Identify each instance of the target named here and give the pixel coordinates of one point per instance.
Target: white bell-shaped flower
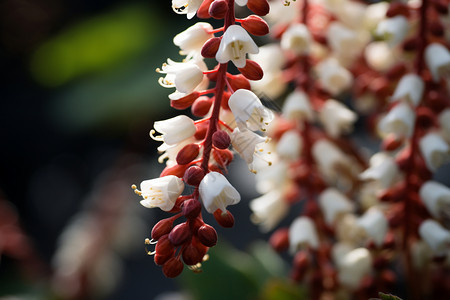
(336, 118)
(297, 106)
(353, 266)
(342, 39)
(333, 77)
(270, 57)
(383, 170)
(398, 121)
(375, 225)
(272, 177)
(217, 193)
(192, 39)
(272, 85)
(246, 143)
(296, 39)
(268, 210)
(436, 236)
(393, 30)
(184, 76)
(435, 150)
(186, 7)
(329, 157)
(248, 111)
(241, 2)
(380, 56)
(374, 13)
(235, 44)
(289, 146)
(161, 192)
(333, 204)
(410, 88)
(302, 233)
(444, 123)
(435, 196)
(437, 58)
(174, 130)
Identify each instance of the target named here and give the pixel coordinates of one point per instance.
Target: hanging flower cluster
(360, 218)
(197, 153)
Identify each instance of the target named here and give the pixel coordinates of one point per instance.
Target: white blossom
(217, 193)
(410, 88)
(161, 192)
(246, 143)
(444, 122)
(296, 39)
(398, 121)
(248, 110)
(436, 236)
(297, 106)
(393, 30)
(192, 39)
(269, 209)
(272, 177)
(174, 130)
(186, 7)
(289, 146)
(375, 225)
(343, 39)
(235, 44)
(353, 266)
(435, 196)
(302, 232)
(336, 118)
(437, 58)
(241, 2)
(374, 13)
(380, 56)
(435, 150)
(184, 76)
(383, 169)
(333, 77)
(333, 204)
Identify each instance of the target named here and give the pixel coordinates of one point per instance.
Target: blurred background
(79, 96)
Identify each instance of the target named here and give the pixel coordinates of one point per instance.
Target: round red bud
(203, 10)
(221, 139)
(391, 142)
(180, 234)
(259, 7)
(252, 70)
(436, 28)
(441, 6)
(173, 267)
(279, 240)
(207, 235)
(202, 128)
(396, 71)
(201, 106)
(225, 219)
(191, 255)
(184, 102)
(210, 48)
(161, 228)
(187, 154)
(410, 44)
(191, 208)
(160, 259)
(239, 82)
(218, 9)
(255, 25)
(301, 261)
(176, 170)
(224, 103)
(193, 175)
(164, 246)
(425, 117)
(397, 8)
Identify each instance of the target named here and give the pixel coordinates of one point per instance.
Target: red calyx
(397, 8)
(279, 240)
(164, 246)
(221, 139)
(201, 106)
(223, 157)
(218, 9)
(225, 219)
(187, 154)
(176, 170)
(202, 128)
(252, 70)
(161, 228)
(185, 101)
(203, 10)
(180, 234)
(259, 7)
(173, 267)
(239, 82)
(255, 25)
(191, 208)
(192, 255)
(391, 143)
(207, 235)
(193, 175)
(210, 48)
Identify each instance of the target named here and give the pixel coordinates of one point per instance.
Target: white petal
(435, 150)
(269, 210)
(302, 232)
(393, 30)
(410, 88)
(374, 224)
(383, 169)
(289, 146)
(436, 236)
(336, 118)
(297, 106)
(435, 196)
(399, 121)
(354, 266)
(161, 192)
(217, 193)
(193, 38)
(188, 78)
(245, 143)
(296, 39)
(437, 58)
(176, 129)
(333, 203)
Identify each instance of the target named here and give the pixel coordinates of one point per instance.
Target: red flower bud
(436, 28)
(187, 154)
(397, 8)
(259, 7)
(411, 44)
(164, 246)
(160, 259)
(192, 255)
(280, 240)
(176, 170)
(191, 208)
(396, 71)
(255, 25)
(210, 48)
(223, 157)
(180, 234)
(225, 219)
(173, 267)
(391, 143)
(201, 106)
(252, 70)
(218, 9)
(194, 175)
(185, 101)
(441, 6)
(203, 10)
(221, 139)
(161, 228)
(226, 96)
(202, 128)
(301, 261)
(207, 235)
(239, 82)
(425, 118)
(402, 159)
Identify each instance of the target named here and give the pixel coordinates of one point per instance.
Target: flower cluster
(197, 153)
